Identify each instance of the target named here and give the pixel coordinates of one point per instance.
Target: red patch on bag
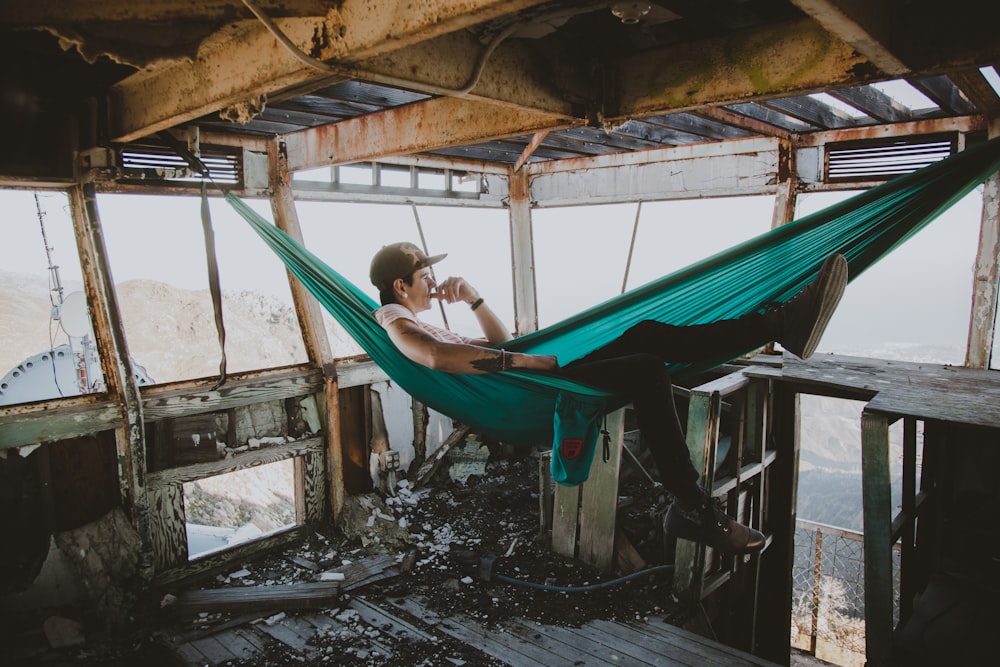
(571, 448)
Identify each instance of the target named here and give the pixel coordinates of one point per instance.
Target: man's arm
(456, 289)
(424, 349)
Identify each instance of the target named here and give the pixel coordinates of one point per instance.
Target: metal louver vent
(159, 164)
(869, 161)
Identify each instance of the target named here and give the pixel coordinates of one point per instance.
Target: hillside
(171, 331)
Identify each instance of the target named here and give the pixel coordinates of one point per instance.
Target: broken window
(156, 250)
(49, 349)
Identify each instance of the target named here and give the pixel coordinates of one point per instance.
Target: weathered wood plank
(284, 634)
(59, 419)
(196, 397)
(697, 643)
(237, 642)
(191, 655)
(635, 646)
(368, 570)
(924, 391)
(576, 648)
(565, 519)
(597, 642)
(241, 461)
(599, 499)
(214, 650)
(280, 597)
(492, 643)
(314, 486)
(169, 534)
(252, 638)
(388, 623)
(62, 418)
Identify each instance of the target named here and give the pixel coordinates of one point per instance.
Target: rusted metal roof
(587, 78)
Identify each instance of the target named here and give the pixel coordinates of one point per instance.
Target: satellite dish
(73, 316)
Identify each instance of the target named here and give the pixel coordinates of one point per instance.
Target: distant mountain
(170, 331)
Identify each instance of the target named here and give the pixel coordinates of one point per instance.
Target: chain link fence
(828, 593)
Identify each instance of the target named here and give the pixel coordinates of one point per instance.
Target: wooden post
(522, 255)
(311, 323)
(116, 364)
(878, 535)
(788, 181)
(584, 516)
(599, 499)
(774, 613)
(987, 273)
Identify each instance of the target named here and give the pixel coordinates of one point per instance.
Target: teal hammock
(517, 407)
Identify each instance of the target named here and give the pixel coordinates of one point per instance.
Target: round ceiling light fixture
(630, 12)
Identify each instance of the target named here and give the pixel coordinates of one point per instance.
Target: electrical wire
(384, 78)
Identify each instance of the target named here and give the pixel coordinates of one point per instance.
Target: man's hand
(456, 289)
(536, 362)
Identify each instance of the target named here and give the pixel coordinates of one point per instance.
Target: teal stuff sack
(576, 425)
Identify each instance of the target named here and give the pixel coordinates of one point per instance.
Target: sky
(920, 294)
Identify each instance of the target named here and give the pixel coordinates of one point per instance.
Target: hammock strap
(214, 285)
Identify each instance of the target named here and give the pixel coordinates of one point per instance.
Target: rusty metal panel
(436, 123)
(750, 173)
(243, 60)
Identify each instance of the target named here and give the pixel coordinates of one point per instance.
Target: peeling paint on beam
(963, 124)
(243, 59)
(80, 12)
(752, 173)
(863, 25)
(414, 128)
(511, 75)
(673, 154)
(791, 58)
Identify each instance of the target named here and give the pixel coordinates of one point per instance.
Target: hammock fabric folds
(517, 407)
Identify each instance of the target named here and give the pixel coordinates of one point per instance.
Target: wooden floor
(516, 643)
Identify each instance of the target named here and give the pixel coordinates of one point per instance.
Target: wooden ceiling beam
(433, 124)
(979, 91)
(749, 124)
(511, 76)
(33, 13)
(798, 57)
(860, 23)
(874, 103)
(917, 36)
(243, 60)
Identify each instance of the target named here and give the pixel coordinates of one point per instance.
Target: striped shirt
(386, 315)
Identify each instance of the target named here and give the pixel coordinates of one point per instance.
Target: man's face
(420, 293)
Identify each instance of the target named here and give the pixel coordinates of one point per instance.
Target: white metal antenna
(54, 281)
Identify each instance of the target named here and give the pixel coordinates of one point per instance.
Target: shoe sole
(685, 531)
(831, 282)
(682, 532)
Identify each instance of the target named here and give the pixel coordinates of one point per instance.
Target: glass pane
(156, 249)
(48, 348)
(226, 510)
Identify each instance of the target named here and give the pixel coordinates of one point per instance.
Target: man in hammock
(632, 365)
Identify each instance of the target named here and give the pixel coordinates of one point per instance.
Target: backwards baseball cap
(398, 260)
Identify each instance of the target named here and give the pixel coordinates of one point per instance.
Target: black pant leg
(725, 339)
(645, 380)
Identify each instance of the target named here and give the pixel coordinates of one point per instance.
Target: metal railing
(828, 593)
